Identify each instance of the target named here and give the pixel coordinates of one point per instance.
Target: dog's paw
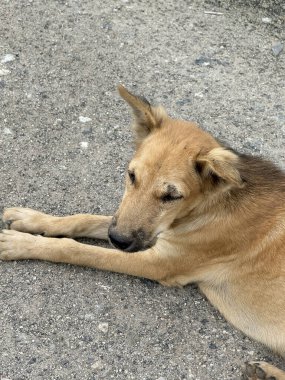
(16, 245)
(262, 371)
(25, 220)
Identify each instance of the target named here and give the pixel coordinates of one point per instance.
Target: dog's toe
(249, 370)
(15, 245)
(8, 223)
(23, 219)
(262, 371)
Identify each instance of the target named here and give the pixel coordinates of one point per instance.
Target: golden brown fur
(193, 211)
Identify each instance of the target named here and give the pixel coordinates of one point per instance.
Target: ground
(64, 144)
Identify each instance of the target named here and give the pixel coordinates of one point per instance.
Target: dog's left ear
(147, 117)
(219, 166)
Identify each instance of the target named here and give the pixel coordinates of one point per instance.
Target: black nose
(122, 242)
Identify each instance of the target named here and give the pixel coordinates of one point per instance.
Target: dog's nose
(121, 242)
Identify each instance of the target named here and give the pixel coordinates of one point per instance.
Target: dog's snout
(120, 241)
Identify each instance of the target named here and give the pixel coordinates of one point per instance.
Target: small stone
(7, 131)
(266, 20)
(203, 61)
(104, 327)
(98, 364)
(4, 71)
(209, 62)
(183, 102)
(107, 26)
(32, 360)
(87, 130)
(89, 317)
(2, 84)
(58, 122)
(84, 144)
(8, 58)
(277, 48)
(84, 119)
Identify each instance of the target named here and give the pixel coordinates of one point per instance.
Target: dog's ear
(147, 117)
(219, 166)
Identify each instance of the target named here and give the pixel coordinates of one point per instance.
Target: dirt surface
(60, 64)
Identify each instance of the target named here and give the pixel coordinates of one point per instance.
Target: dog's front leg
(16, 245)
(35, 222)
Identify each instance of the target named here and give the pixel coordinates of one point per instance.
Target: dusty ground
(62, 60)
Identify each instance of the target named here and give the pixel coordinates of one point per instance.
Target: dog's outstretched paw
(262, 371)
(16, 245)
(25, 220)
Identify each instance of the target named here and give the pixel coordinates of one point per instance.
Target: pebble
(8, 58)
(86, 130)
(84, 119)
(4, 71)
(183, 102)
(203, 61)
(266, 20)
(98, 364)
(277, 48)
(2, 84)
(84, 144)
(89, 317)
(7, 131)
(104, 327)
(58, 122)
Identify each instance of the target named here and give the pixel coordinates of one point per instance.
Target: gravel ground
(65, 142)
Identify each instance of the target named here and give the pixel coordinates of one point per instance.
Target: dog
(193, 211)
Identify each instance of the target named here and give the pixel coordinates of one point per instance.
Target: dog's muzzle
(132, 243)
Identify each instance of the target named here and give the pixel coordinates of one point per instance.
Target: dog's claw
(8, 223)
(249, 369)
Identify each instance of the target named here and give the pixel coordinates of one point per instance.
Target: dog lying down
(193, 211)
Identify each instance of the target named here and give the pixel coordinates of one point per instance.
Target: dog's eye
(132, 176)
(170, 197)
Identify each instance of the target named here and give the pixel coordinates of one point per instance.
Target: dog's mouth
(137, 242)
(134, 247)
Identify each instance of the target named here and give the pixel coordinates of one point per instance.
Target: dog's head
(176, 167)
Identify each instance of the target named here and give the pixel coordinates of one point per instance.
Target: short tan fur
(193, 211)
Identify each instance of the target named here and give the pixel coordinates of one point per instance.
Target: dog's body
(193, 211)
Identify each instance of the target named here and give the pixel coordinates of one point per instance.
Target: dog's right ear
(147, 117)
(219, 167)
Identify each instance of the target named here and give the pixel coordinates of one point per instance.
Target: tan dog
(193, 211)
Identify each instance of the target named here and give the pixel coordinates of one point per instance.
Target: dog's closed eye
(171, 194)
(168, 197)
